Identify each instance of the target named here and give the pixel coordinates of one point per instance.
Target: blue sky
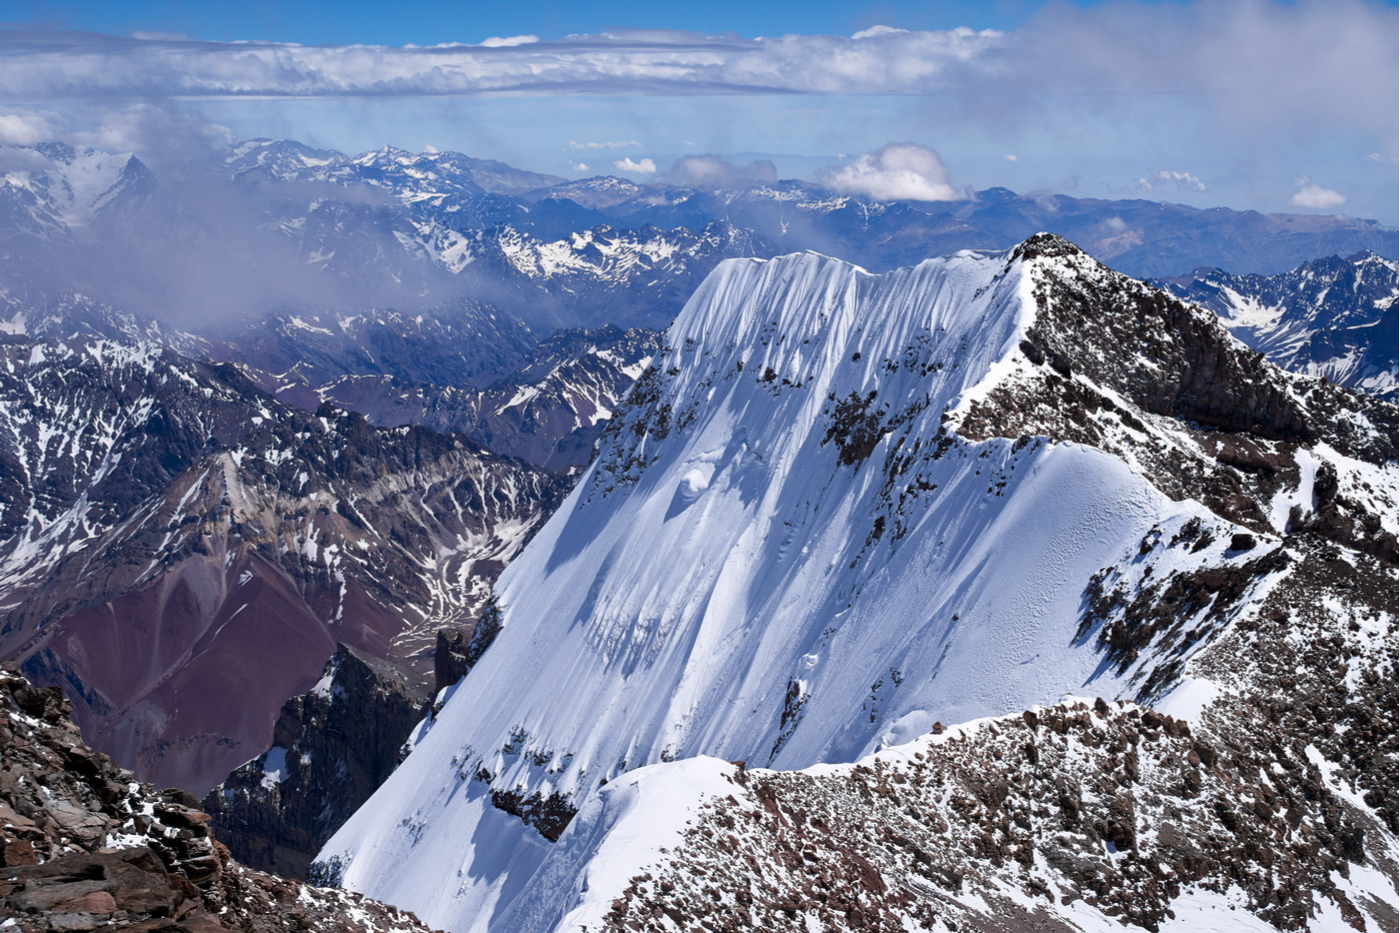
(1253, 104)
(433, 21)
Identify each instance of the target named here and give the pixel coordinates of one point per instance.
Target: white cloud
(1011, 158)
(875, 31)
(25, 128)
(496, 42)
(1377, 157)
(895, 172)
(622, 144)
(579, 166)
(1315, 196)
(1183, 180)
(150, 130)
(644, 167)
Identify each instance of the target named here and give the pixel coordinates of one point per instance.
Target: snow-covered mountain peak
(822, 338)
(52, 188)
(842, 507)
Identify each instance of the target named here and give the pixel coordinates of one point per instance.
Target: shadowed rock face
(1333, 317)
(183, 552)
(1214, 421)
(84, 846)
(332, 748)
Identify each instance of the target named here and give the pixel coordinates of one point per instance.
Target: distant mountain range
(147, 500)
(1330, 317)
(277, 227)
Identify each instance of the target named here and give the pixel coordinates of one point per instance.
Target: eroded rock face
(332, 749)
(84, 846)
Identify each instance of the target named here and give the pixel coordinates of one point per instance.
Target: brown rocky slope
(183, 552)
(84, 846)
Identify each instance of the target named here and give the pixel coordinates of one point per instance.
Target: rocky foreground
(84, 846)
(1075, 816)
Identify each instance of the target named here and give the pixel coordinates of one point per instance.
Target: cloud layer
(1316, 197)
(1252, 62)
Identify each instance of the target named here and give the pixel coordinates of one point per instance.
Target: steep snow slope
(782, 556)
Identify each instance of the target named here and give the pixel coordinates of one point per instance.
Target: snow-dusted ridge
(783, 555)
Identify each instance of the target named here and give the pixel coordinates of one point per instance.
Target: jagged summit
(841, 507)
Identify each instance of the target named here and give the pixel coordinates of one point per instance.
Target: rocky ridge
(84, 846)
(1084, 815)
(1163, 388)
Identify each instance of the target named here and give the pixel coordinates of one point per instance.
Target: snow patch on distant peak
(274, 767)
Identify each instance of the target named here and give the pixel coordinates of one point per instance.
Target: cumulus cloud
(1316, 197)
(707, 171)
(895, 172)
(644, 167)
(579, 166)
(1183, 180)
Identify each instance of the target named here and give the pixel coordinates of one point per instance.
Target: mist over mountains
(273, 226)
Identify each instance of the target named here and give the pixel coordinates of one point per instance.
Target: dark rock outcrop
(83, 846)
(332, 749)
(1124, 367)
(449, 659)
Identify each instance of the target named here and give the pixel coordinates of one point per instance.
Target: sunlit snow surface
(696, 588)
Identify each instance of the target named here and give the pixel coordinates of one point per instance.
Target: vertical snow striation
(781, 555)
